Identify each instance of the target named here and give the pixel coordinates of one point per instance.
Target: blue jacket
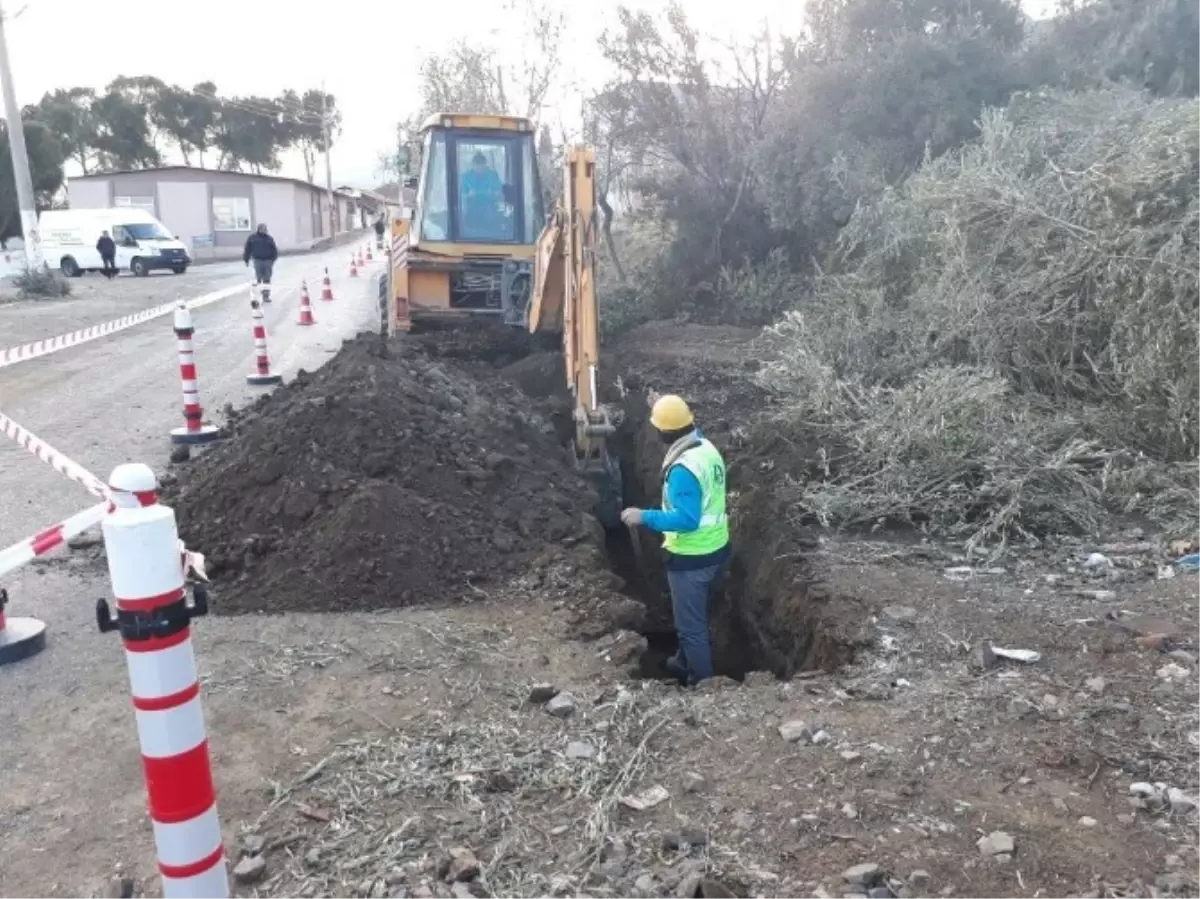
(686, 500)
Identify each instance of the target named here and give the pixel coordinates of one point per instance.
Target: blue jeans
(690, 594)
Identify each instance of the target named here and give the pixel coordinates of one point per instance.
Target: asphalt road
(115, 399)
(72, 803)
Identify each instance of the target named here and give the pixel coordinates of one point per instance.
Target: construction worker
(260, 246)
(695, 531)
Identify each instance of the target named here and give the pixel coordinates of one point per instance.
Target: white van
(69, 241)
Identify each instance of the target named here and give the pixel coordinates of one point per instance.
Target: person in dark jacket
(107, 248)
(380, 227)
(260, 246)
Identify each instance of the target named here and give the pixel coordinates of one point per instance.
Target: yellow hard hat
(670, 413)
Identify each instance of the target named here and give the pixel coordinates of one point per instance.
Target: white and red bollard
(262, 376)
(194, 429)
(353, 267)
(326, 287)
(20, 638)
(153, 616)
(306, 316)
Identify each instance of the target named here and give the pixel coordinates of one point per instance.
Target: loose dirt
(412, 752)
(384, 479)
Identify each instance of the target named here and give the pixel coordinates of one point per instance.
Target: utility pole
(333, 215)
(20, 161)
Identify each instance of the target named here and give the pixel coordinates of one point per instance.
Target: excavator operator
(482, 190)
(695, 531)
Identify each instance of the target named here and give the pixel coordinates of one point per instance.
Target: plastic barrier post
(20, 638)
(263, 376)
(353, 267)
(154, 617)
(194, 430)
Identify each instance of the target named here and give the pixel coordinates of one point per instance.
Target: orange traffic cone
(326, 287)
(360, 257)
(353, 267)
(306, 316)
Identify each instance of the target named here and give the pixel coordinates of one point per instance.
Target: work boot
(677, 667)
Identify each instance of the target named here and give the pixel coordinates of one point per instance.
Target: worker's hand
(632, 517)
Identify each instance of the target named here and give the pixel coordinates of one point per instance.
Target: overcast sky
(367, 53)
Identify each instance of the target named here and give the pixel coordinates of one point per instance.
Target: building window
(135, 202)
(231, 213)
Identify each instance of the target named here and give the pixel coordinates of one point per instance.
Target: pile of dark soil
(383, 479)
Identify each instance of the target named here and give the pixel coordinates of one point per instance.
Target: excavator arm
(563, 301)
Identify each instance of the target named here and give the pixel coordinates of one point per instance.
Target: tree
(152, 96)
(46, 158)
(880, 86)
(465, 78)
(1152, 44)
(249, 133)
(70, 116)
(123, 138)
(469, 76)
(187, 118)
(841, 28)
(303, 122)
(685, 131)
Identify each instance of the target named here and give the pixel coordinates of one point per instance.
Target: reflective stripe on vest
(705, 463)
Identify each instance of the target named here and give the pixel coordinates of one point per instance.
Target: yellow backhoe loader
(478, 246)
(467, 252)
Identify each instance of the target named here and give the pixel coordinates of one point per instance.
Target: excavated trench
(770, 610)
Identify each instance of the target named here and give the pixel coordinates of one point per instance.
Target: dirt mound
(383, 479)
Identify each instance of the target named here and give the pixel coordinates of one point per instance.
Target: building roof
(192, 168)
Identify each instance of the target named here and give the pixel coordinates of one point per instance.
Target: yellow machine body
(467, 252)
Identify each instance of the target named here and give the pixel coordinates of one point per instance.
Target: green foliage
(41, 285)
(123, 137)
(1006, 343)
(45, 154)
(1152, 44)
(69, 116)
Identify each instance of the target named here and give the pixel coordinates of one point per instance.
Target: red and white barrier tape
(13, 355)
(51, 538)
(53, 457)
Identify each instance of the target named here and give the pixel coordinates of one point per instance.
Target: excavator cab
(468, 251)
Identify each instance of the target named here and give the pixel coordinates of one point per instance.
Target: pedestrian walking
(695, 531)
(107, 248)
(260, 247)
